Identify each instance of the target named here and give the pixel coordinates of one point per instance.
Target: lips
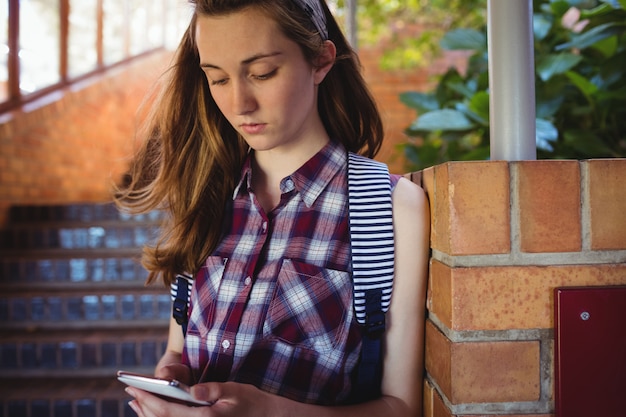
(253, 128)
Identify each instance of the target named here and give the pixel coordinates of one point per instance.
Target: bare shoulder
(409, 199)
(411, 224)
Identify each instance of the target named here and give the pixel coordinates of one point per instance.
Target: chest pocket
(311, 307)
(204, 296)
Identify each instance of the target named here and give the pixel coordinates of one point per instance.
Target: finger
(210, 391)
(178, 371)
(145, 404)
(150, 405)
(134, 405)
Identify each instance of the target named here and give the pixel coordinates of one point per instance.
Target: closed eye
(266, 76)
(219, 82)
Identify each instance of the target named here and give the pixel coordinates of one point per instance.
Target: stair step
(74, 309)
(83, 309)
(78, 235)
(77, 397)
(71, 353)
(75, 213)
(65, 267)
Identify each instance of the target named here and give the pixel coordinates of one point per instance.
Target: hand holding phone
(169, 388)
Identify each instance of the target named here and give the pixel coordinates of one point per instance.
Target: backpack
(372, 252)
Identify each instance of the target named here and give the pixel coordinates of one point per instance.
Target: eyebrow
(246, 61)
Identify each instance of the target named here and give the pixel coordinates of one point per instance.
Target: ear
(325, 61)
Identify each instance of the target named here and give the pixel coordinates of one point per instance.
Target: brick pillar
(504, 235)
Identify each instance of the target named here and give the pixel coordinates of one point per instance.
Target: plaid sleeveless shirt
(272, 306)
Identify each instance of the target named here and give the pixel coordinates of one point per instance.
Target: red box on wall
(590, 351)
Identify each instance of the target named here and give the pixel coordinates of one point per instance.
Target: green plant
(387, 23)
(580, 56)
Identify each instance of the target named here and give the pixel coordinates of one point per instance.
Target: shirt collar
(310, 179)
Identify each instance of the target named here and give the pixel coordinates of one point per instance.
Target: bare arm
(169, 365)
(404, 341)
(404, 358)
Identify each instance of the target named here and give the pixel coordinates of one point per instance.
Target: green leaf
(479, 106)
(600, 10)
(542, 23)
(607, 47)
(442, 120)
(618, 94)
(592, 36)
(559, 7)
(423, 102)
(587, 143)
(547, 106)
(552, 64)
(584, 85)
(462, 88)
(545, 132)
(464, 39)
(478, 154)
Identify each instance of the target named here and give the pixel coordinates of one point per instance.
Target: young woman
(246, 150)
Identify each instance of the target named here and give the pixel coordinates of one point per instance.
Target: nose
(243, 100)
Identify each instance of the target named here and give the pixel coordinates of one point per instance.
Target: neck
(271, 166)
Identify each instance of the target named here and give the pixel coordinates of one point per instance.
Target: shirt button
(264, 227)
(247, 281)
(289, 183)
(226, 344)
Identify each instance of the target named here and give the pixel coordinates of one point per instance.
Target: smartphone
(168, 388)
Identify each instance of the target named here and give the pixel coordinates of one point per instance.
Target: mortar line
(515, 220)
(502, 335)
(585, 207)
(555, 259)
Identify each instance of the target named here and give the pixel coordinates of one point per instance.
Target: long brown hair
(191, 157)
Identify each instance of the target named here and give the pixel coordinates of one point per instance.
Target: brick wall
(504, 235)
(72, 145)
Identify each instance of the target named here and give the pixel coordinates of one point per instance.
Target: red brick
(495, 372)
(483, 372)
(509, 297)
(549, 206)
(428, 184)
(439, 294)
(438, 357)
(607, 201)
(427, 402)
(440, 210)
(439, 407)
(472, 208)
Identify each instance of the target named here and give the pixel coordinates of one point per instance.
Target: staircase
(74, 309)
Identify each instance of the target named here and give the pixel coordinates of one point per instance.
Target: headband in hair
(314, 10)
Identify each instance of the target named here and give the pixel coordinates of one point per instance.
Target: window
(4, 50)
(82, 44)
(47, 44)
(115, 26)
(39, 45)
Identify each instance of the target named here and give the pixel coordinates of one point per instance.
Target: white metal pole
(511, 80)
(351, 28)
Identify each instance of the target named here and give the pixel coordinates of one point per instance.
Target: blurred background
(73, 77)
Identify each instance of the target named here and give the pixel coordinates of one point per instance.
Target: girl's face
(260, 80)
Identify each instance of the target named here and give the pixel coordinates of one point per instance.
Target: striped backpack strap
(372, 246)
(181, 293)
(371, 231)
